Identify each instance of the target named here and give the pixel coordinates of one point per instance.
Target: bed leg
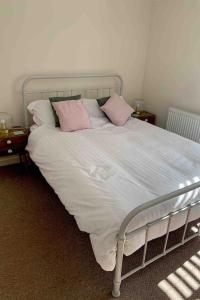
(118, 269)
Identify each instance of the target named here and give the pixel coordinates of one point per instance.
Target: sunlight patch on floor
(182, 283)
(169, 290)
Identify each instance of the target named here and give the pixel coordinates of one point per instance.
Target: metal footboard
(124, 235)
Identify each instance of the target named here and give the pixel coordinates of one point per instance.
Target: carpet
(43, 254)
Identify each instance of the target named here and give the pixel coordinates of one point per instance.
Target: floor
(43, 255)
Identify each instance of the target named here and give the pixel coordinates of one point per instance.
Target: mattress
(101, 174)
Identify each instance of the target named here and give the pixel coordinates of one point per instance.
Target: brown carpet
(43, 255)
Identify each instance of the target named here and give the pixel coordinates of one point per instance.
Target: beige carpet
(43, 255)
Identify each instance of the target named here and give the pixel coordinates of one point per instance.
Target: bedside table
(145, 116)
(14, 142)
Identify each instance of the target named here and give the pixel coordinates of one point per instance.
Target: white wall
(173, 62)
(49, 36)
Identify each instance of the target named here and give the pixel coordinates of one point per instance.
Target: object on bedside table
(145, 116)
(13, 142)
(5, 122)
(139, 105)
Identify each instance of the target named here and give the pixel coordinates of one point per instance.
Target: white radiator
(184, 123)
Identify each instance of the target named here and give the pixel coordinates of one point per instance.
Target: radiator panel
(184, 123)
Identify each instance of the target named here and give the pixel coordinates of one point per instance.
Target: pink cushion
(117, 110)
(72, 115)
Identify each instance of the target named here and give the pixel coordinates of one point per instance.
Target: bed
(135, 182)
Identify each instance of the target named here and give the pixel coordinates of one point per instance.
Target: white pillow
(93, 108)
(42, 112)
(99, 122)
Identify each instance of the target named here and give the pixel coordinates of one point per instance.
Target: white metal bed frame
(99, 91)
(123, 234)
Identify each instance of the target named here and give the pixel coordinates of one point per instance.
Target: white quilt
(101, 174)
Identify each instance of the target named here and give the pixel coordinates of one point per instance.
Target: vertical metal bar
(25, 112)
(120, 90)
(186, 224)
(145, 246)
(167, 234)
(118, 268)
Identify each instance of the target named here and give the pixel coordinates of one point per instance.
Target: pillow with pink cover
(72, 115)
(117, 110)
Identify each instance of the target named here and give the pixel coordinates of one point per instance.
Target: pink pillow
(72, 115)
(117, 110)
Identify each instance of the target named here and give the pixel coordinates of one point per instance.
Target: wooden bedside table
(145, 116)
(14, 143)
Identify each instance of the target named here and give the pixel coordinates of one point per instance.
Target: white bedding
(101, 174)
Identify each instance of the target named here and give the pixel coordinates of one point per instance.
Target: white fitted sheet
(101, 174)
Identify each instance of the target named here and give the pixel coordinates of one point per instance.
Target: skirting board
(9, 160)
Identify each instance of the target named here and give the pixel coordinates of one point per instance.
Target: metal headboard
(33, 87)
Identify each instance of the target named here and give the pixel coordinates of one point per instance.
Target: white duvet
(101, 174)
